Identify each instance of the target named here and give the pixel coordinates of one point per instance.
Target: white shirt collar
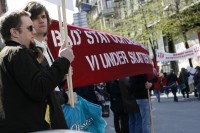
(40, 44)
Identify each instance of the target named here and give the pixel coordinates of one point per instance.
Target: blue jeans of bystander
(135, 123)
(157, 94)
(145, 115)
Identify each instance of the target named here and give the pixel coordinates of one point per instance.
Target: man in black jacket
(140, 85)
(172, 83)
(24, 84)
(41, 21)
(116, 100)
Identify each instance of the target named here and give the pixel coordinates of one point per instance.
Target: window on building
(95, 14)
(116, 4)
(109, 3)
(99, 6)
(142, 1)
(107, 20)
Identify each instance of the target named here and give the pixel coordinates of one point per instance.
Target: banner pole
(69, 76)
(61, 31)
(152, 124)
(60, 23)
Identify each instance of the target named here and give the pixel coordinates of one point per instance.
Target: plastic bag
(182, 86)
(85, 116)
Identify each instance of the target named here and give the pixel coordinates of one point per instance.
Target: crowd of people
(129, 100)
(184, 83)
(132, 94)
(31, 82)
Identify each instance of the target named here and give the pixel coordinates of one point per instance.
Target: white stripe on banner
(188, 53)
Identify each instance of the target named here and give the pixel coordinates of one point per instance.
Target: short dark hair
(11, 20)
(35, 8)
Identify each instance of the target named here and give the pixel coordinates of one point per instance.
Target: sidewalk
(176, 117)
(170, 116)
(110, 125)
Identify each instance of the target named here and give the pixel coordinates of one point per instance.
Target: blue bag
(85, 116)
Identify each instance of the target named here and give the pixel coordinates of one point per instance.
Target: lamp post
(182, 28)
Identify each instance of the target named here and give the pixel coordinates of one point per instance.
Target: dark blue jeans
(140, 122)
(135, 123)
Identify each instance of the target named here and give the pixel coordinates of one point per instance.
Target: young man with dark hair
(25, 87)
(41, 22)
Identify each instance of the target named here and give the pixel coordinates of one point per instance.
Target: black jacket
(26, 89)
(87, 92)
(116, 98)
(183, 77)
(128, 96)
(138, 86)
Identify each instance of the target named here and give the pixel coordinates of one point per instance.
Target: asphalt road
(170, 116)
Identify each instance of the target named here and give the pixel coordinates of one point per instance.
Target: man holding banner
(25, 86)
(41, 21)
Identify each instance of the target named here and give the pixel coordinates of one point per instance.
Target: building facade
(80, 19)
(104, 13)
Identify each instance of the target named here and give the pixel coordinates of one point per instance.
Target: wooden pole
(60, 23)
(69, 77)
(152, 124)
(61, 28)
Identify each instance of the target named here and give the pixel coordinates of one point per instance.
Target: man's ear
(14, 32)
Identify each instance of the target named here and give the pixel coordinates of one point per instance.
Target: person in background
(161, 75)
(164, 83)
(192, 87)
(99, 92)
(172, 83)
(120, 117)
(140, 86)
(87, 92)
(191, 83)
(25, 86)
(183, 79)
(130, 105)
(157, 86)
(197, 81)
(178, 86)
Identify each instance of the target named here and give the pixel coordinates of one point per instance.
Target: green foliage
(145, 23)
(182, 21)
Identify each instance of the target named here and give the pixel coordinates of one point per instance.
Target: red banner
(100, 56)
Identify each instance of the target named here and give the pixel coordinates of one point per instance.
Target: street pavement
(170, 116)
